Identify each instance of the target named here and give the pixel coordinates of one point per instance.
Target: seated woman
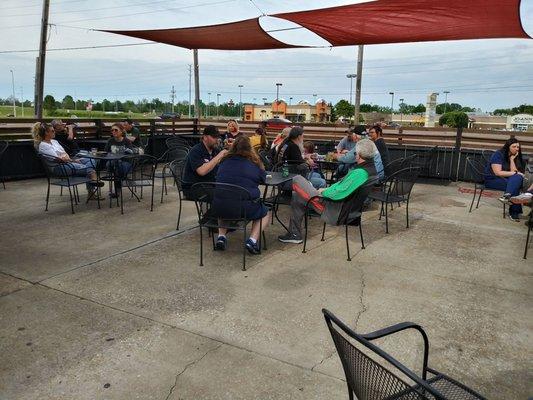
(242, 166)
(118, 144)
(259, 140)
(505, 171)
(56, 155)
(315, 176)
(232, 133)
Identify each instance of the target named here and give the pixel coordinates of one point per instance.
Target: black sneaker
(514, 217)
(253, 248)
(505, 198)
(290, 238)
(221, 243)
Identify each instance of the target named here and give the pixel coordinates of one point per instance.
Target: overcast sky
(487, 74)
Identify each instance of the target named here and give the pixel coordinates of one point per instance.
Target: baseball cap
(212, 131)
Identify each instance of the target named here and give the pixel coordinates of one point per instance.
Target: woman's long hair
(519, 161)
(242, 147)
(35, 133)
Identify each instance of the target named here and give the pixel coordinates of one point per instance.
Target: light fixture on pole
(218, 102)
(13, 83)
(314, 97)
(208, 103)
(391, 105)
(264, 100)
(277, 91)
(22, 100)
(445, 100)
(240, 101)
(290, 101)
(401, 111)
(351, 76)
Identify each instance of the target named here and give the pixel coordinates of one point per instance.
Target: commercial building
(303, 111)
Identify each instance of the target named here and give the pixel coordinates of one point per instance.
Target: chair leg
(244, 249)
(179, 213)
(323, 232)
(503, 210)
(347, 244)
(473, 199)
(386, 219)
(479, 198)
(152, 199)
(529, 227)
(61, 192)
(163, 189)
(201, 248)
(71, 199)
(381, 212)
(407, 212)
(213, 240)
(48, 196)
(264, 241)
(361, 234)
(121, 201)
(305, 235)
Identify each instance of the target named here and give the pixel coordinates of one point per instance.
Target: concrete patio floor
(100, 305)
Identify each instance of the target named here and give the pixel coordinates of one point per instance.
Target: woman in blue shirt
(505, 171)
(242, 166)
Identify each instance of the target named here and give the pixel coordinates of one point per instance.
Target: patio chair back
(367, 378)
(177, 153)
(142, 169)
(401, 182)
(176, 168)
(176, 142)
(226, 201)
(486, 155)
(476, 169)
(353, 206)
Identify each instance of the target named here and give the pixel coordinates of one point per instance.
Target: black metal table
(104, 157)
(327, 166)
(275, 179)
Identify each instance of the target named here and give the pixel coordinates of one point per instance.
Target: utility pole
(173, 97)
(40, 62)
(13, 84)
(351, 76)
(445, 100)
(240, 101)
(401, 111)
(218, 102)
(196, 84)
(277, 91)
(391, 105)
(358, 80)
(208, 104)
(190, 88)
(22, 100)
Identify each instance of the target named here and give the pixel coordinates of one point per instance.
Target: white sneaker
(522, 198)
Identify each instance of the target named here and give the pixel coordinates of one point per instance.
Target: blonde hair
(35, 134)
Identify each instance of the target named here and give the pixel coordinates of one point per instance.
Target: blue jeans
(82, 167)
(120, 169)
(510, 185)
(316, 180)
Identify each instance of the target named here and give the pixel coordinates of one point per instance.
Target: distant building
(520, 122)
(303, 111)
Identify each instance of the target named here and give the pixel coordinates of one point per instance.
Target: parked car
(278, 123)
(170, 116)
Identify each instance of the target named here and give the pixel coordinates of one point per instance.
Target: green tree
(454, 119)
(420, 108)
(68, 102)
(49, 103)
(344, 109)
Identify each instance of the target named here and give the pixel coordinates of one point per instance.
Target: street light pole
(401, 111)
(218, 102)
(391, 105)
(240, 101)
(13, 83)
(208, 104)
(22, 100)
(290, 101)
(277, 91)
(445, 100)
(351, 76)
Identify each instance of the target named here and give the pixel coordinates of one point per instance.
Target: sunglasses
(115, 130)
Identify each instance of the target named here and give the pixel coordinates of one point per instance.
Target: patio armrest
(398, 328)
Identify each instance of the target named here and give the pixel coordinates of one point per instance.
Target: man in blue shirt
(202, 161)
(348, 160)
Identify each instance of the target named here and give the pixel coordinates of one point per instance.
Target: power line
(80, 48)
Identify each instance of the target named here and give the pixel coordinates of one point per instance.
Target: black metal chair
(426, 160)
(351, 210)
(396, 189)
(3, 147)
(140, 175)
(176, 169)
(175, 153)
(529, 225)
(477, 172)
(59, 173)
(177, 141)
(373, 374)
(206, 195)
(486, 155)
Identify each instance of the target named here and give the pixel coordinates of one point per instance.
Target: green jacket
(340, 190)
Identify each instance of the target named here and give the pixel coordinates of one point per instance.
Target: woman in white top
(55, 155)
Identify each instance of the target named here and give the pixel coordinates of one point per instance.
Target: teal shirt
(340, 190)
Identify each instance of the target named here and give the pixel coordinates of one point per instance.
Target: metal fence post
(98, 123)
(457, 154)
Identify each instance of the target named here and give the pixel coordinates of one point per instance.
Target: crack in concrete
(364, 308)
(192, 363)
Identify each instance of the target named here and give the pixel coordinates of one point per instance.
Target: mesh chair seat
(72, 181)
(213, 222)
(382, 196)
(163, 174)
(448, 387)
(137, 182)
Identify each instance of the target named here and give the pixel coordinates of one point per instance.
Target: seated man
(131, 132)
(347, 143)
(56, 155)
(65, 136)
(303, 191)
(348, 160)
(376, 135)
(202, 161)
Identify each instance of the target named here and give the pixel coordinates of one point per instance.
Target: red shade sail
(375, 22)
(242, 35)
(393, 21)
